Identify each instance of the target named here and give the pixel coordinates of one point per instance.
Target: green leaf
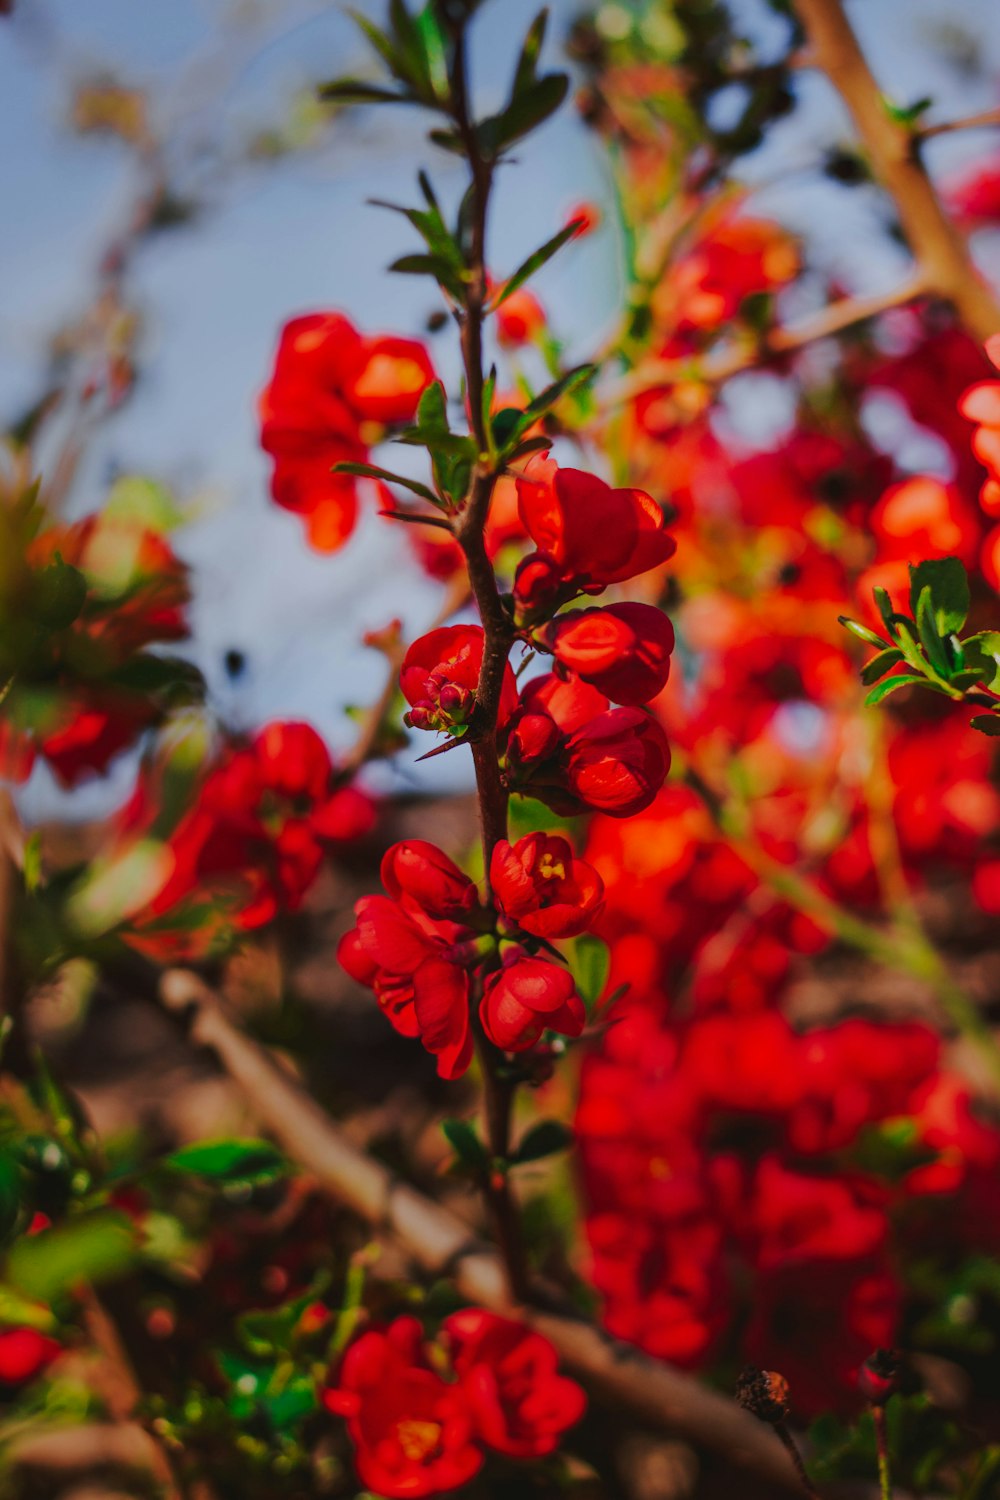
(534, 262)
(229, 1161)
(99, 1247)
(982, 652)
(430, 265)
(987, 724)
(370, 471)
(883, 603)
(381, 43)
(930, 640)
(571, 381)
(590, 962)
(879, 665)
(33, 862)
(58, 594)
(949, 585)
(525, 113)
(527, 64)
(862, 632)
(906, 114)
(357, 91)
(469, 1149)
(432, 411)
(10, 1194)
(543, 1139)
(890, 685)
(435, 49)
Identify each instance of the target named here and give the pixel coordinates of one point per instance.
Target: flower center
(418, 1439)
(551, 868)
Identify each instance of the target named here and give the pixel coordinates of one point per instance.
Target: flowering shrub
(724, 934)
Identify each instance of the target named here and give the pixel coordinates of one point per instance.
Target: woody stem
(498, 1092)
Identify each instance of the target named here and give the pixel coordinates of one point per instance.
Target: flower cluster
(421, 946)
(80, 604)
(332, 395)
(421, 1417)
(250, 844)
(744, 1176)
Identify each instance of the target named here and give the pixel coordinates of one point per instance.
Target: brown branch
(986, 118)
(941, 253)
(845, 313)
(498, 636)
(441, 1244)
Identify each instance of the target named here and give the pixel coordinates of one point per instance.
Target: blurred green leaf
(98, 1247)
(949, 588)
(231, 1160)
(543, 1139)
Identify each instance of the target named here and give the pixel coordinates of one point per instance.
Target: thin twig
(984, 119)
(938, 248)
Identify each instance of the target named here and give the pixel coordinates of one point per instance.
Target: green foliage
(928, 645)
(234, 1165)
(92, 1248)
(546, 1138)
(590, 963)
(470, 1153)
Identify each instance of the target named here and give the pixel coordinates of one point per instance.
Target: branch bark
(941, 253)
(649, 1391)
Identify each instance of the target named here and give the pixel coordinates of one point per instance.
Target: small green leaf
(949, 585)
(95, 1248)
(370, 471)
(890, 685)
(883, 603)
(879, 665)
(432, 411)
(906, 114)
(982, 652)
(543, 1139)
(987, 724)
(927, 626)
(590, 962)
(571, 381)
(527, 64)
(534, 262)
(251, 1161)
(467, 1146)
(357, 91)
(863, 633)
(531, 107)
(33, 862)
(430, 265)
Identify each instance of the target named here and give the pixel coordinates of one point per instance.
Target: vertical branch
(497, 639)
(941, 253)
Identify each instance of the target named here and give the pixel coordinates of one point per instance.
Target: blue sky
(276, 241)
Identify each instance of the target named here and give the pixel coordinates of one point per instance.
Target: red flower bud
(527, 997)
(618, 762)
(621, 649)
(594, 533)
(878, 1377)
(440, 675)
(541, 885)
(421, 871)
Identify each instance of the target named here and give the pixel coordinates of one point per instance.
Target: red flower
(541, 885)
(596, 535)
(331, 393)
(440, 675)
(519, 1402)
(421, 871)
(258, 827)
(621, 649)
(617, 762)
(981, 404)
(520, 318)
(411, 1431)
(24, 1354)
(411, 966)
(526, 997)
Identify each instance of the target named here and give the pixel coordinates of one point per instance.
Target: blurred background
(265, 215)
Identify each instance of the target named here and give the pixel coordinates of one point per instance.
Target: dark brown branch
(940, 251)
(497, 640)
(440, 1244)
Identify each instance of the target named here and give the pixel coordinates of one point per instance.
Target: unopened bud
(878, 1377)
(763, 1393)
